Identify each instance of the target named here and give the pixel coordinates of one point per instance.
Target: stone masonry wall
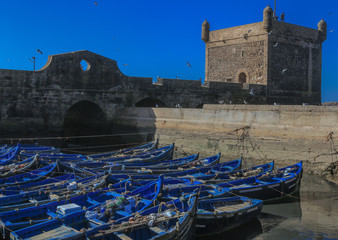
(32, 101)
(285, 134)
(294, 64)
(234, 50)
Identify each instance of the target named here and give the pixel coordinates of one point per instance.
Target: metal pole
(274, 12)
(34, 63)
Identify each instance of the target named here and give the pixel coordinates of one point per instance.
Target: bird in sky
(125, 64)
(330, 13)
(188, 64)
(332, 30)
(95, 3)
(275, 45)
(39, 51)
(284, 70)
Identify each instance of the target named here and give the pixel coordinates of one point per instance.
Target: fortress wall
(282, 133)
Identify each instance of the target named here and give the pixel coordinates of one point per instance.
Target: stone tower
(283, 56)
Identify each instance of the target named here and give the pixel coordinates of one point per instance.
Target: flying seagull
(125, 64)
(95, 3)
(330, 13)
(188, 64)
(332, 30)
(252, 92)
(39, 51)
(284, 70)
(275, 45)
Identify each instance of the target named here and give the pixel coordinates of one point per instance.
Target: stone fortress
(284, 57)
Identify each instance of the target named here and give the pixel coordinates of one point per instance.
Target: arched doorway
(242, 77)
(150, 102)
(84, 118)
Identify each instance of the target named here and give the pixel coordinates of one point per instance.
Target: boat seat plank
(124, 236)
(58, 232)
(229, 208)
(156, 229)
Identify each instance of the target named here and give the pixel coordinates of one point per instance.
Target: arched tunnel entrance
(85, 119)
(89, 130)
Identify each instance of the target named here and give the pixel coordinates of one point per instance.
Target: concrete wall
(282, 133)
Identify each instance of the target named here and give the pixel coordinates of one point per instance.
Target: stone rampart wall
(282, 133)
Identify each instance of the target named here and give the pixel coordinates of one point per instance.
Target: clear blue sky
(155, 38)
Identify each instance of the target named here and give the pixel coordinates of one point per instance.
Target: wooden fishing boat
(176, 165)
(128, 151)
(105, 201)
(9, 155)
(157, 168)
(190, 173)
(33, 175)
(19, 167)
(57, 191)
(172, 220)
(52, 157)
(147, 158)
(38, 149)
(270, 186)
(223, 214)
(220, 177)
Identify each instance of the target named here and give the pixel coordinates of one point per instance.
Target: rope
(73, 137)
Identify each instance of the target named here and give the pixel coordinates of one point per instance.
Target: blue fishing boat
(64, 188)
(220, 177)
(106, 201)
(9, 155)
(190, 173)
(35, 149)
(56, 156)
(172, 220)
(269, 186)
(146, 158)
(176, 165)
(20, 167)
(157, 166)
(33, 175)
(128, 151)
(223, 214)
